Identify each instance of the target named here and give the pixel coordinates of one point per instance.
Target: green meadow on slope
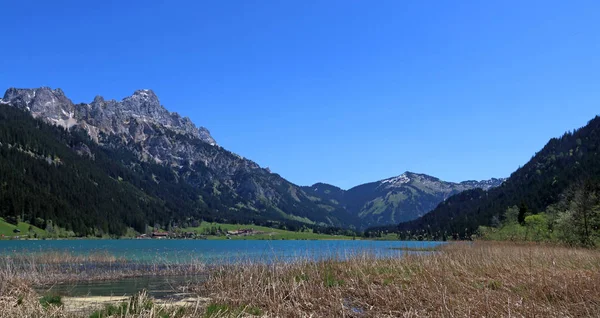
(7, 229)
(219, 231)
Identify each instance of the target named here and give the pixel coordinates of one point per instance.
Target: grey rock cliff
(106, 116)
(136, 118)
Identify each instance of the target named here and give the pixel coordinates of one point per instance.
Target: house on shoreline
(169, 235)
(160, 235)
(242, 232)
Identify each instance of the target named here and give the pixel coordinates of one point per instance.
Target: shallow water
(155, 286)
(149, 254)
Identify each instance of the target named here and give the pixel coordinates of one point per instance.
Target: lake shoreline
(64, 261)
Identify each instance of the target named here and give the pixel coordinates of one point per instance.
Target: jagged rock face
(83, 150)
(142, 106)
(44, 102)
(396, 199)
(484, 184)
(138, 122)
(136, 118)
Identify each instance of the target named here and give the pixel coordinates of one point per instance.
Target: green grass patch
(332, 281)
(301, 278)
(224, 310)
(51, 300)
(387, 237)
(110, 310)
(266, 233)
(137, 305)
(213, 310)
(7, 229)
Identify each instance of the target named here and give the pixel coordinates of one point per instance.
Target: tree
(523, 213)
(537, 227)
(585, 213)
(49, 227)
(495, 222)
(511, 215)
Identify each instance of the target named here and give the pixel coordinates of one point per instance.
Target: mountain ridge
(403, 197)
(141, 125)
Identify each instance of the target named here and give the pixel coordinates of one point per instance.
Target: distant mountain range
(402, 198)
(105, 166)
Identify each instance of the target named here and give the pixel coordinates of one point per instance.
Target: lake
(217, 251)
(194, 251)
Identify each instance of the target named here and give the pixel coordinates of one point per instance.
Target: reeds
(61, 267)
(464, 280)
(19, 273)
(482, 279)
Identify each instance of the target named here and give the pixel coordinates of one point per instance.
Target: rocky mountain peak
(144, 102)
(143, 108)
(145, 93)
(44, 102)
(98, 99)
(397, 181)
(31, 93)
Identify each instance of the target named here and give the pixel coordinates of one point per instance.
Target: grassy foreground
(482, 279)
(464, 280)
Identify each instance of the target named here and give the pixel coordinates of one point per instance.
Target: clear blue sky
(343, 92)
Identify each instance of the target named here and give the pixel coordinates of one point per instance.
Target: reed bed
(482, 279)
(21, 301)
(463, 280)
(63, 267)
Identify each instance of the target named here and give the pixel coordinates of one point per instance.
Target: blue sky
(343, 92)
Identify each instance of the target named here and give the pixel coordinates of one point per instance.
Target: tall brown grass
(481, 279)
(463, 280)
(20, 273)
(61, 267)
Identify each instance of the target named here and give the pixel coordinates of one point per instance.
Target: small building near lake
(160, 235)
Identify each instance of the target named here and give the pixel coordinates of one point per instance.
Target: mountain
(402, 198)
(163, 157)
(563, 163)
(151, 153)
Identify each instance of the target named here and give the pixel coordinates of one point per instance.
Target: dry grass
(464, 280)
(18, 273)
(54, 267)
(21, 301)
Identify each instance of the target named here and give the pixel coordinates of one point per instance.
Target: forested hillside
(153, 154)
(561, 165)
(50, 176)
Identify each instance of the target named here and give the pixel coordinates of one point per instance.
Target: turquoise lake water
(184, 251)
(216, 251)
